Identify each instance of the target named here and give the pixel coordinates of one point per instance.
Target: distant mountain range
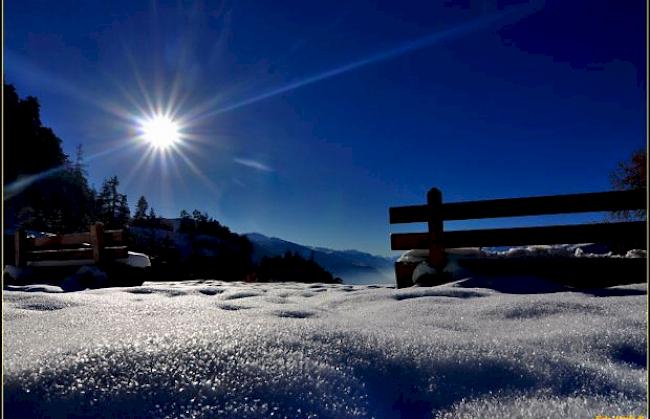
(353, 266)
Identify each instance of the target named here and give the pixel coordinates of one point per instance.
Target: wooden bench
(96, 246)
(630, 233)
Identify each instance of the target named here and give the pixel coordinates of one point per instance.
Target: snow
(564, 250)
(474, 348)
(585, 250)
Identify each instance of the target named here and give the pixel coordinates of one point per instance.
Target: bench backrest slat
(74, 254)
(515, 207)
(111, 238)
(97, 244)
(629, 232)
(618, 235)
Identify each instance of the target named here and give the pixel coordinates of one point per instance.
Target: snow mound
(216, 349)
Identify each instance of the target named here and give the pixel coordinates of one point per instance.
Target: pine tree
(141, 209)
(62, 201)
(187, 224)
(79, 166)
(123, 213)
(29, 147)
(112, 206)
(200, 217)
(84, 194)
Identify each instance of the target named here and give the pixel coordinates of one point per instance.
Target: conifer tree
(112, 206)
(141, 209)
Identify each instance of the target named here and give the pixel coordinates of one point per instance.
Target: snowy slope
(215, 349)
(352, 266)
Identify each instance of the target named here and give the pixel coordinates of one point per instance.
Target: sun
(160, 131)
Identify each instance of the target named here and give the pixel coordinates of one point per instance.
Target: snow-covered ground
(474, 348)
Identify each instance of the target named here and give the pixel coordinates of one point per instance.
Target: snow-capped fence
(98, 245)
(435, 212)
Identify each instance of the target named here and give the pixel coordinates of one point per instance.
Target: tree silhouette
(81, 194)
(141, 209)
(29, 147)
(292, 267)
(631, 174)
(59, 199)
(112, 206)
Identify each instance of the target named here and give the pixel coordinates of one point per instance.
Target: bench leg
(19, 248)
(404, 274)
(97, 241)
(437, 257)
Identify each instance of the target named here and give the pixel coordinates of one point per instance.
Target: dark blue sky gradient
(338, 113)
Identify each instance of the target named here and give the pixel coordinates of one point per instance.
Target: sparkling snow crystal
(216, 349)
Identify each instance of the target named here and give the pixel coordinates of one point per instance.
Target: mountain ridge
(353, 266)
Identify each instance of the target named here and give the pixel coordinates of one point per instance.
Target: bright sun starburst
(160, 131)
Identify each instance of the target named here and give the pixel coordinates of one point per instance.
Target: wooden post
(437, 257)
(97, 241)
(19, 248)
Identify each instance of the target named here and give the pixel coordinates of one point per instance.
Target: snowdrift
(474, 348)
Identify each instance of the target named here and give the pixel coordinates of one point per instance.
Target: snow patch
(467, 349)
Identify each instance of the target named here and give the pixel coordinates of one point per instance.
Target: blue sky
(307, 120)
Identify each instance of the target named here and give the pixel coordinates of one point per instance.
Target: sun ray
(19, 185)
(120, 144)
(399, 50)
(173, 163)
(198, 172)
(149, 103)
(145, 158)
